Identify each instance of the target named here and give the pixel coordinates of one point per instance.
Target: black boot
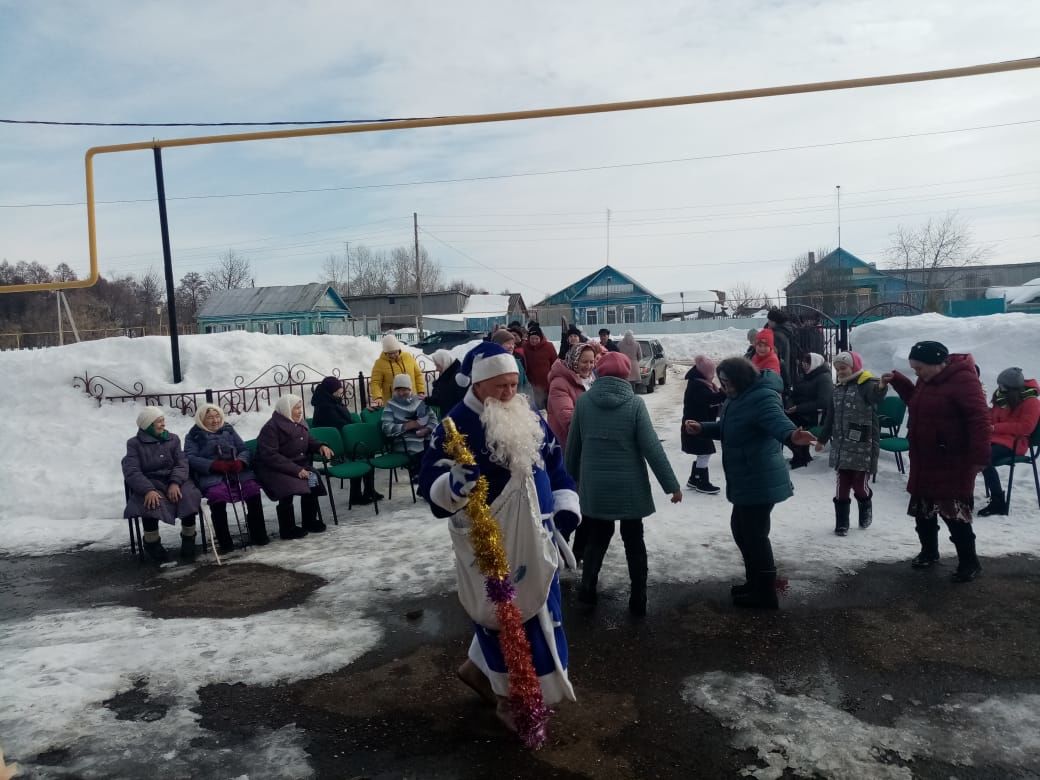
(866, 511)
(255, 522)
(597, 541)
(702, 484)
(637, 573)
(287, 527)
(188, 550)
(309, 510)
(802, 457)
(156, 552)
(761, 594)
(220, 529)
(928, 533)
(842, 507)
(997, 504)
(968, 566)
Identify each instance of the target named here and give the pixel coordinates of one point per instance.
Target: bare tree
(191, 294)
(746, 298)
(801, 263)
(938, 251)
(335, 270)
(466, 287)
(233, 272)
(402, 263)
(63, 273)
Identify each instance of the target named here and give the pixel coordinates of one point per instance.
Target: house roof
(842, 258)
(270, 300)
(691, 301)
(486, 306)
(568, 294)
(516, 302)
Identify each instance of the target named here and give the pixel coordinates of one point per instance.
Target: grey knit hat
(1011, 378)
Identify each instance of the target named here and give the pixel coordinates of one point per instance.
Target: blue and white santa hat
(483, 362)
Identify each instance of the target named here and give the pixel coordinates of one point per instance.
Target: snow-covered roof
(691, 300)
(486, 305)
(1017, 296)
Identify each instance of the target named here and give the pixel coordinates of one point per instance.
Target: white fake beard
(513, 434)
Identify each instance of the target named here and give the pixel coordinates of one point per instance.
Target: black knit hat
(930, 352)
(534, 329)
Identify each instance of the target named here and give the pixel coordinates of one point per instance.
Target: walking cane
(231, 492)
(207, 524)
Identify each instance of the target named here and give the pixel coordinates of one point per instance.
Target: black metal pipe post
(171, 296)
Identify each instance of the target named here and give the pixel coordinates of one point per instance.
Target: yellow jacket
(384, 371)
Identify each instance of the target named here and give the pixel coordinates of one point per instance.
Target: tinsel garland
(529, 710)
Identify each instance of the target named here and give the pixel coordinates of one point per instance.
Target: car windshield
(645, 350)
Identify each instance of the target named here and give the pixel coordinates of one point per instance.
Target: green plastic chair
(896, 445)
(371, 416)
(891, 414)
(340, 467)
(251, 446)
(355, 417)
(365, 441)
(1032, 452)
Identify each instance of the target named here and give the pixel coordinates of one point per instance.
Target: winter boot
(968, 566)
(702, 484)
(744, 588)
(220, 529)
(761, 594)
(637, 571)
(997, 504)
(287, 527)
(188, 550)
(156, 552)
(928, 533)
(842, 506)
(309, 509)
(255, 522)
(866, 511)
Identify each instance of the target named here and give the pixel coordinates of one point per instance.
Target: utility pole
(346, 256)
(418, 276)
(61, 334)
(608, 235)
(837, 188)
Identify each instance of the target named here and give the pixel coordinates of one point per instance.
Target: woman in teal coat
(753, 429)
(610, 442)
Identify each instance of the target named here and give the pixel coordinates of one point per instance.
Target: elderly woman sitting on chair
(156, 474)
(219, 463)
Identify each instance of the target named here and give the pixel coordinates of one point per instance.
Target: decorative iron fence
(288, 379)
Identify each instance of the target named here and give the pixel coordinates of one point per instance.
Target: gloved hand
(221, 466)
(237, 467)
(463, 479)
(566, 521)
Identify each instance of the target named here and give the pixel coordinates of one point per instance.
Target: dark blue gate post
(362, 392)
(843, 335)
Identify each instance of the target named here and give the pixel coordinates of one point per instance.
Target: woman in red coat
(949, 432)
(1016, 411)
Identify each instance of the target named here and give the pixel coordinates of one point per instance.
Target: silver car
(653, 365)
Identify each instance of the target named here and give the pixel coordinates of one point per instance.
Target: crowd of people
(562, 446)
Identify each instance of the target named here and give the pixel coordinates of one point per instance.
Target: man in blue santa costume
(531, 496)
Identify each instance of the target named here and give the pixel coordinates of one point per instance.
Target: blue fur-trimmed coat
(556, 489)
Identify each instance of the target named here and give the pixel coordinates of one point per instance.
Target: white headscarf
(200, 416)
(815, 361)
(285, 405)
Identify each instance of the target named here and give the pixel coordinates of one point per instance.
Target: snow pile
(1021, 295)
(716, 344)
(997, 341)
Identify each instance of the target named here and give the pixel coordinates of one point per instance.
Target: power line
(482, 265)
(549, 172)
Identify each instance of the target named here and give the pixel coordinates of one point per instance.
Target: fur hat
(484, 361)
(930, 352)
(443, 359)
(200, 415)
(402, 380)
(503, 336)
(331, 384)
(705, 366)
(148, 415)
(614, 364)
(390, 343)
(850, 359)
(1012, 379)
(765, 335)
(285, 404)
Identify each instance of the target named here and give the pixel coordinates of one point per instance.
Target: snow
(57, 668)
(691, 301)
(1020, 295)
(997, 341)
(486, 306)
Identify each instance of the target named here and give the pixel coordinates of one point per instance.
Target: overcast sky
(697, 198)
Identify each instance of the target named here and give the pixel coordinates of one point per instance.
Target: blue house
(604, 297)
(297, 310)
(841, 283)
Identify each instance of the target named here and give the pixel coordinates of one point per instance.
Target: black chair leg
(332, 500)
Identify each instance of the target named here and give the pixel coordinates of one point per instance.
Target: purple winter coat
(282, 449)
(153, 464)
(204, 447)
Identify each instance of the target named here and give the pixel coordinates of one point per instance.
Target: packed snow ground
(57, 668)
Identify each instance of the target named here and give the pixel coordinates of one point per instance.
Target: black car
(447, 339)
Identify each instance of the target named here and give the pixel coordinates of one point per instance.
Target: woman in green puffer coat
(753, 429)
(611, 440)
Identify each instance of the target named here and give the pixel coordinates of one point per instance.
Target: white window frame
(294, 327)
(279, 328)
(611, 316)
(591, 317)
(626, 312)
(261, 327)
